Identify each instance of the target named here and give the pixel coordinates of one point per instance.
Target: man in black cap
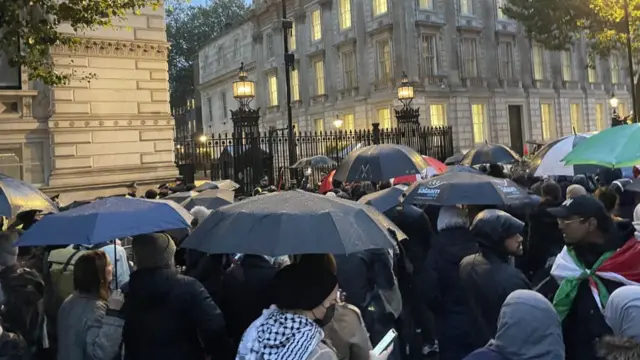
(132, 190)
(592, 238)
(263, 187)
(180, 185)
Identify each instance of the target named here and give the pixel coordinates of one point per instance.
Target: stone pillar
(116, 128)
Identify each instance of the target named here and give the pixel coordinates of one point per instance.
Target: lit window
(295, 85)
(600, 117)
(478, 117)
(349, 69)
(273, 90)
(469, 58)
(318, 67)
(576, 118)
(466, 7)
(505, 54)
(318, 125)
(567, 66)
(316, 25)
(345, 14)
(500, 4)
(223, 101)
(349, 122)
(537, 57)
(546, 120)
(438, 115)
(622, 111)
(384, 60)
(426, 4)
(384, 118)
(615, 68)
(592, 73)
(292, 38)
(379, 7)
(429, 55)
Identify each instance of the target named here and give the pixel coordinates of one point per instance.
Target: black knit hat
(153, 250)
(302, 287)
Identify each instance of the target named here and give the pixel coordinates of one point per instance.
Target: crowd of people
(554, 278)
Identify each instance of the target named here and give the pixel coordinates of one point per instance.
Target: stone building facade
(472, 68)
(92, 137)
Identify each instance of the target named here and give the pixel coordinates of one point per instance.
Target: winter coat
(170, 316)
(347, 333)
(618, 348)
(87, 329)
(585, 323)
(244, 293)
(439, 285)
(545, 238)
(416, 225)
(487, 277)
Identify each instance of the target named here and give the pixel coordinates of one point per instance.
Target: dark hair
(384, 185)
(316, 260)
(551, 190)
(151, 194)
(608, 198)
(90, 274)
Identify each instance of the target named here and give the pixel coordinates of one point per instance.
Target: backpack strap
(70, 259)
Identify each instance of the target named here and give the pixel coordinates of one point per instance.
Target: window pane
(426, 4)
(500, 4)
(477, 117)
(615, 69)
(349, 70)
(538, 62)
(316, 25)
(379, 7)
(349, 122)
(438, 115)
(384, 118)
(469, 58)
(319, 70)
(210, 109)
(292, 38)
(295, 85)
(11, 162)
(622, 109)
(273, 90)
(600, 117)
(505, 55)
(384, 60)
(567, 66)
(33, 163)
(429, 55)
(545, 118)
(345, 14)
(318, 125)
(223, 100)
(576, 118)
(592, 73)
(466, 7)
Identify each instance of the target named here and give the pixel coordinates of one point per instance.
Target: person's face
(109, 271)
(513, 244)
(264, 182)
(575, 228)
(320, 311)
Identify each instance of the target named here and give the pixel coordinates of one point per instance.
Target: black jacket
(416, 225)
(170, 316)
(245, 293)
(487, 277)
(440, 288)
(545, 239)
(584, 323)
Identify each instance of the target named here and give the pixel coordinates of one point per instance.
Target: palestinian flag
(622, 265)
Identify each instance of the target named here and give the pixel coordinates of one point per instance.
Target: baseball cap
(584, 206)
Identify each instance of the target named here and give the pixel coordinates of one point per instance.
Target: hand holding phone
(384, 347)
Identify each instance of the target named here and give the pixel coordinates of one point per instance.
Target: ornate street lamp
(338, 122)
(203, 138)
(408, 123)
(405, 91)
(244, 90)
(614, 102)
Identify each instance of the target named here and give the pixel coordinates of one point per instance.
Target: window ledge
(319, 99)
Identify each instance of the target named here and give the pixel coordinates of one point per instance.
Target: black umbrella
(489, 154)
(181, 197)
(211, 199)
(386, 199)
(218, 184)
(315, 162)
(293, 222)
(453, 160)
(464, 169)
(17, 196)
(380, 163)
(465, 189)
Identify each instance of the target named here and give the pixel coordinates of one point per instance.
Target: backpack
(22, 313)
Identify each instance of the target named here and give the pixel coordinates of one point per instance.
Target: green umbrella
(615, 147)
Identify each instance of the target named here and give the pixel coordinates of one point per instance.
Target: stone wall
(117, 127)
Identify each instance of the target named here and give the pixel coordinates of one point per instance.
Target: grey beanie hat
(8, 252)
(153, 250)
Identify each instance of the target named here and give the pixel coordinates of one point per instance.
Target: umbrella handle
(115, 264)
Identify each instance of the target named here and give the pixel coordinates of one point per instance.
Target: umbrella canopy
(548, 160)
(293, 222)
(315, 162)
(211, 199)
(380, 163)
(454, 160)
(181, 197)
(465, 189)
(489, 154)
(17, 196)
(104, 220)
(615, 147)
(386, 199)
(218, 184)
(438, 166)
(463, 169)
(326, 184)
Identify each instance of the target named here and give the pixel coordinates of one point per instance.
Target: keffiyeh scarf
(277, 335)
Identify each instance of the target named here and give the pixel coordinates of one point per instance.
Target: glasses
(565, 222)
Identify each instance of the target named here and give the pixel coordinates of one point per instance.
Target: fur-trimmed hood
(617, 348)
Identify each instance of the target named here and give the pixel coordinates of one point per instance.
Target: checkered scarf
(277, 335)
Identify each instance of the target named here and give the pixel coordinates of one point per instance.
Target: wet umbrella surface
(17, 196)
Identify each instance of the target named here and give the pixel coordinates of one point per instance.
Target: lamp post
(289, 59)
(246, 152)
(407, 116)
(615, 117)
(627, 21)
(338, 122)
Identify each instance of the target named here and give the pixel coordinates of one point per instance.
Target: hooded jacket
(487, 277)
(623, 316)
(545, 238)
(528, 329)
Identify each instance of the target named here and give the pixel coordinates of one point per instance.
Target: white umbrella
(548, 161)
